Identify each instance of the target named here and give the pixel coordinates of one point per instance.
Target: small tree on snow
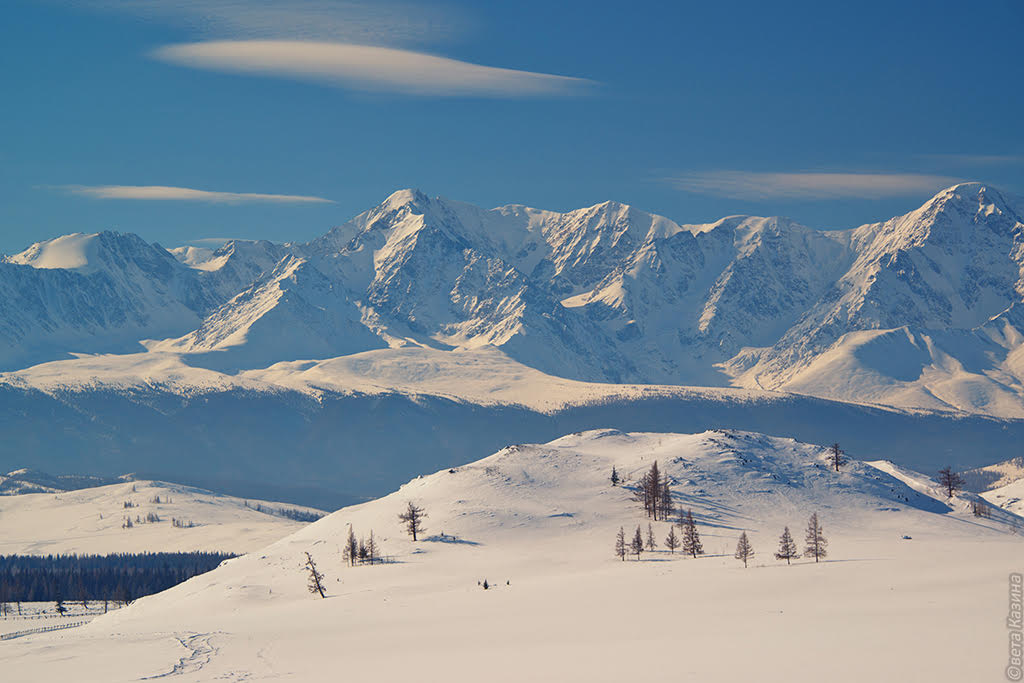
(351, 550)
(637, 546)
(615, 476)
(787, 547)
(651, 544)
(836, 457)
(316, 579)
(815, 540)
(744, 551)
(667, 506)
(413, 519)
(372, 548)
(620, 544)
(691, 538)
(950, 481)
(672, 540)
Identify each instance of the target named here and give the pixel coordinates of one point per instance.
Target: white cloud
(751, 185)
(165, 193)
(358, 21)
(976, 159)
(369, 68)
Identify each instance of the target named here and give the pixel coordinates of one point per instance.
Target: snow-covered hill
(538, 522)
(329, 433)
(92, 521)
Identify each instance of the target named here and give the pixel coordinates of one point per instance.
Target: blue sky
(204, 119)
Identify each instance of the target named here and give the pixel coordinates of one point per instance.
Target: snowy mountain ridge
(920, 311)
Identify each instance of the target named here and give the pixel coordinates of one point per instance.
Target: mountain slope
(327, 433)
(538, 522)
(919, 311)
(942, 274)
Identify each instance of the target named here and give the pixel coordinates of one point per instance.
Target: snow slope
(538, 522)
(90, 521)
(305, 429)
(1009, 497)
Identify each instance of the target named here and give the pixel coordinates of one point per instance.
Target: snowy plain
(913, 588)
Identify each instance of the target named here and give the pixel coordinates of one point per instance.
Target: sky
(195, 121)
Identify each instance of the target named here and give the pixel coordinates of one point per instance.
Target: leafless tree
(836, 457)
(672, 540)
(372, 548)
(787, 547)
(350, 553)
(650, 492)
(638, 543)
(651, 543)
(691, 538)
(413, 519)
(315, 577)
(620, 544)
(744, 551)
(816, 542)
(950, 481)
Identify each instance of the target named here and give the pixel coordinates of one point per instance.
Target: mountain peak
(402, 198)
(973, 198)
(87, 252)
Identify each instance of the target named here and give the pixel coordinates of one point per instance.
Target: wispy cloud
(976, 159)
(366, 22)
(187, 194)
(368, 68)
(752, 185)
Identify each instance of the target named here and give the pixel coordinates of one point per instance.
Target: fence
(41, 629)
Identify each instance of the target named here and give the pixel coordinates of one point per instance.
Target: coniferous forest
(119, 577)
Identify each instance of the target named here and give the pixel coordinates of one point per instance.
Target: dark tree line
(289, 513)
(120, 577)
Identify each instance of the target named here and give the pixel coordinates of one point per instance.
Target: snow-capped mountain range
(433, 322)
(923, 310)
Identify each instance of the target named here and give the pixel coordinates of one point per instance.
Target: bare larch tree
(350, 553)
(654, 493)
(744, 551)
(637, 546)
(413, 519)
(816, 542)
(836, 457)
(691, 539)
(787, 547)
(316, 579)
(672, 540)
(950, 481)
